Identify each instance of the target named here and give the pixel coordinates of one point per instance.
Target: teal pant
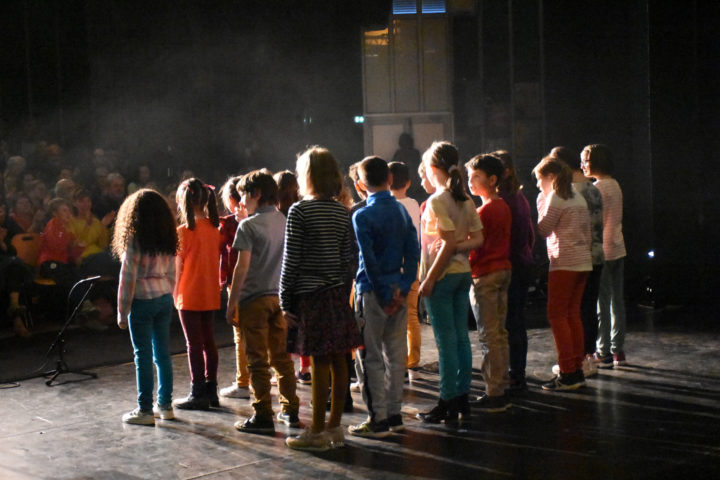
(448, 308)
(149, 322)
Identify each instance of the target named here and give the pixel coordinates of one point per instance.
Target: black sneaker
(494, 404)
(289, 419)
(256, 424)
(304, 378)
(395, 423)
(603, 361)
(566, 381)
(518, 384)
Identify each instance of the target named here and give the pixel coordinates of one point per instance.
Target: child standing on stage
(522, 242)
(588, 307)
(197, 289)
(491, 278)
(253, 304)
(597, 163)
(314, 293)
(451, 228)
(288, 194)
(564, 220)
(228, 258)
(399, 187)
(389, 254)
(145, 240)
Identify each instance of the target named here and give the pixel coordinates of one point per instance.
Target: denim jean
(448, 310)
(611, 308)
(149, 323)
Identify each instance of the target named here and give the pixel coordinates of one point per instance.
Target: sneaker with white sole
(603, 361)
(492, 404)
(164, 412)
(356, 386)
(395, 423)
(589, 367)
(233, 391)
(562, 382)
(290, 419)
(304, 378)
(337, 436)
(370, 429)
(139, 417)
(619, 359)
(309, 441)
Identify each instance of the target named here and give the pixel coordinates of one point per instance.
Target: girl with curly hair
(145, 241)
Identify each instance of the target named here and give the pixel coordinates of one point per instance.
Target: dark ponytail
(212, 207)
(444, 155)
(194, 193)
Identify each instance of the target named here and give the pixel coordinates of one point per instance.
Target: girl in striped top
(313, 292)
(564, 221)
(597, 163)
(145, 240)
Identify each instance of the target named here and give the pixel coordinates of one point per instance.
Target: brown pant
(264, 333)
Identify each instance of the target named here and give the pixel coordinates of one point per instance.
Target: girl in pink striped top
(597, 163)
(564, 221)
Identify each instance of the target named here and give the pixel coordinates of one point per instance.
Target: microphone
(89, 279)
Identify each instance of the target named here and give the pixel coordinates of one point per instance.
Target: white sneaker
(164, 412)
(233, 391)
(356, 386)
(337, 436)
(589, 367)
(307, 440)
(139, 417)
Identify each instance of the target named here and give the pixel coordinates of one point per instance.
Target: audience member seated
(111, 197)
(143, 180)
(59, 249)
(25, 215)
(15, 277)
(64, 188)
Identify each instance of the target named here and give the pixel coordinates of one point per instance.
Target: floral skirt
(326, 324)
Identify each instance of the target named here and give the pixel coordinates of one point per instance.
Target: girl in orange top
(197, 288)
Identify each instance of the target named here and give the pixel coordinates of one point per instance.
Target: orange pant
(414, 331)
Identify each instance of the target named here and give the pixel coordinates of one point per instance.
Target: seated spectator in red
(59, 249)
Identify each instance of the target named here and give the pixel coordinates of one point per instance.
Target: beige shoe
(309, 441)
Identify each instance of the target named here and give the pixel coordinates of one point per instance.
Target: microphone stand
(61, 366)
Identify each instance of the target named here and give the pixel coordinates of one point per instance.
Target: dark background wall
(224, 86)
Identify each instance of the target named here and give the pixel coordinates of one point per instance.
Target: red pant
(565, 291)
(199, 328)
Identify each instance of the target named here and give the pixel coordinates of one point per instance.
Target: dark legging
(515, 321)
(588, 309)
(199, 328)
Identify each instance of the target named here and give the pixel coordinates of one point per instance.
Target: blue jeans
(448, 310)
(611, 308)
(149, 322)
